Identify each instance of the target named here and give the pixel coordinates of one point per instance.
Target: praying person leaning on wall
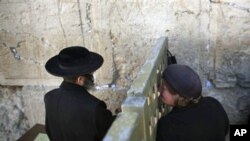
(193, 117)
(72, 113)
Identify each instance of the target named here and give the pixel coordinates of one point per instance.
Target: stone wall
(212, 36)
(13, 121)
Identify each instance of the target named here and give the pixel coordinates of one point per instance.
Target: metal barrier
(141, 109)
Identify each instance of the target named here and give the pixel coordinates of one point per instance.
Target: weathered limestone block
(230, 28)
(13, 122)
(34, 103)
(104, 27)
(237, 66)
(122, 32)
(113, 97)
(47, 26)
(189, 35)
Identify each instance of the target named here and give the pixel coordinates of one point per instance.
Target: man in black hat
(193, 117)
(72, 114)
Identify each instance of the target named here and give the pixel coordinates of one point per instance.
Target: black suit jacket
(204, 121)
(72, 114)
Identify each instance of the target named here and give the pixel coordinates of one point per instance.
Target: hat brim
(93, 64)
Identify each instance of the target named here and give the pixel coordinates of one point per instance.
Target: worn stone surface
(212, 36)
(230, 30)
(113, 97)
(13, 122)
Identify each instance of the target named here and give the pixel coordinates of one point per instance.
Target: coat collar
(72, 86)
(193, 105)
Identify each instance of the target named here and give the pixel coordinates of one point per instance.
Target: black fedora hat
(74, 61)
(183, 80)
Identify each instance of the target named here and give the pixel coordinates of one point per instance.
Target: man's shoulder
(52, 92)
(89, 99)
(95, 101)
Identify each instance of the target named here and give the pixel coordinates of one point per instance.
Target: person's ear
(80, 80)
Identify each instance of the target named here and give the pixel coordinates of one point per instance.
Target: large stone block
(13, 122)
(229, 29)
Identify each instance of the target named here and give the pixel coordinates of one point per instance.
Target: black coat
(204, 121)
(72, 114)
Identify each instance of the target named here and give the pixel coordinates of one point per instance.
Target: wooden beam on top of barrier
(138, 105)
(125, 128)
(142, 83)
